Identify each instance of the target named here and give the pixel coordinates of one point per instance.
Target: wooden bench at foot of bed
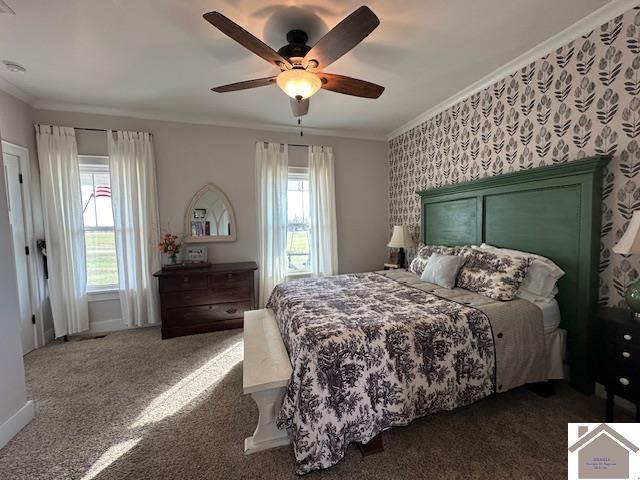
(266, 371)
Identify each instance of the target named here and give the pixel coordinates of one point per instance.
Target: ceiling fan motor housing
(297, 47)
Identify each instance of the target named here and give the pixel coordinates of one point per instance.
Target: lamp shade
(630, 241)
(299, 83)
(401, 238)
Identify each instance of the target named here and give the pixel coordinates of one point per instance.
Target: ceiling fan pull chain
(300, 125)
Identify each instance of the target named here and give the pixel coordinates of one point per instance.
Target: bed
(374, 350)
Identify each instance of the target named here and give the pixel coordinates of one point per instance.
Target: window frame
(96, 164)
(297, 174)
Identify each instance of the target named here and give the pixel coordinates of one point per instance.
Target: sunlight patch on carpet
(111, 455)
(191, 387)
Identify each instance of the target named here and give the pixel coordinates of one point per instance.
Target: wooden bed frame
(553, 211)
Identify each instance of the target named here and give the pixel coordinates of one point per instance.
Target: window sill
(103, 295)
(299, 274)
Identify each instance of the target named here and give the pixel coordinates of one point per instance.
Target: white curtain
(64, 228)
(134, 195)
(322, 211)
(271, 199)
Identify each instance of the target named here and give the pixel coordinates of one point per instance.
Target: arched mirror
(209, 217)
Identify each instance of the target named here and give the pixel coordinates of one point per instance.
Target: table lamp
(401, 238)
(629, 244)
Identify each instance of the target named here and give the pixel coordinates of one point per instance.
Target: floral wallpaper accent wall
(581, 100)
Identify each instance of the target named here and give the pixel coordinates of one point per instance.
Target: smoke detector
(4, 8)
(13, 66)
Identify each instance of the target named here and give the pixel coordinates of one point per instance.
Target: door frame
(34, 269)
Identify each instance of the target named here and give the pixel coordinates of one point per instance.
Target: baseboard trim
(17, 422)
(111, 325)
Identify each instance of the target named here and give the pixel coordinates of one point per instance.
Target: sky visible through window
(298, 223)
(102, 266)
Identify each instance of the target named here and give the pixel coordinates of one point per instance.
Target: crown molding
(14, 91)
(200, 120)
(581, 27)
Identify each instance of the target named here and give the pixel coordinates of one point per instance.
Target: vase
(174, 259)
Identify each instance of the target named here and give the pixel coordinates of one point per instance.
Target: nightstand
(391, 266)
(616, 358)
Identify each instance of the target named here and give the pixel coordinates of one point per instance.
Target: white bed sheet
(550, 315)
(555, 339)
(555, 346)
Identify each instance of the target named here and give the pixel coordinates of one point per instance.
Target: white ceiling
(159, 57)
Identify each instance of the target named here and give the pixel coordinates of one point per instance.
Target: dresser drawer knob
(624, 381)
(229, 276)
(626, 336)
(626, 354)
(185, 279)
(187, 298)
(187, 316)
(232, 310)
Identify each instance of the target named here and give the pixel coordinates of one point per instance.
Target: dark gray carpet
(131, 406)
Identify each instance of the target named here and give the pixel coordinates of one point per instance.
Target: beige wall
(16, 123)
(190, 155)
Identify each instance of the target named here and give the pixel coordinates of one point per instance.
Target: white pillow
(532, 297)
(442, 269)
(540, 281)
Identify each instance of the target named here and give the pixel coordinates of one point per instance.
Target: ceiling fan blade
(342, 38)
(246, 39)
(258, 82)
(299, 108)
(350, 86)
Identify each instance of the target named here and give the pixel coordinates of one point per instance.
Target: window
(102, 265)
(298, 260)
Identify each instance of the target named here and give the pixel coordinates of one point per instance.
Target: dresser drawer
(183, 282)
(619, 368)
(621, 354)
(229, 281)
(624, 384)
(186, 316)
(187, 298)
(204, 297)
(628, 336)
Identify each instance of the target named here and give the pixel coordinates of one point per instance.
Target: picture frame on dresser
(196, 253)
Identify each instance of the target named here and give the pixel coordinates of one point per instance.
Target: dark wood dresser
(616, 363)
(205, 299)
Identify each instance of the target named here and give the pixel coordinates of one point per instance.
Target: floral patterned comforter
(369, 353)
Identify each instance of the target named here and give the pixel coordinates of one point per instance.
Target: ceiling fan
(300, 65)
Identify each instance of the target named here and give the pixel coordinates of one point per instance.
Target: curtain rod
(98, 130)
(292, 144)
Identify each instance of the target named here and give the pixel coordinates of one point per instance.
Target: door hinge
(20, 178)
(26, 249)
(33, 319)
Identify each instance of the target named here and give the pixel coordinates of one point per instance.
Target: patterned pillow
(492, 274)
(422, 257)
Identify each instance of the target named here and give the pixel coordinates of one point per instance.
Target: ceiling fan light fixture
(298, 83)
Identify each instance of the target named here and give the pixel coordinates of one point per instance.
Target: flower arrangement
(170, 245)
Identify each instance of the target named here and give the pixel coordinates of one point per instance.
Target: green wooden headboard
(552, 211)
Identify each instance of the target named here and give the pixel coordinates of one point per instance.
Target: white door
(12, 175)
